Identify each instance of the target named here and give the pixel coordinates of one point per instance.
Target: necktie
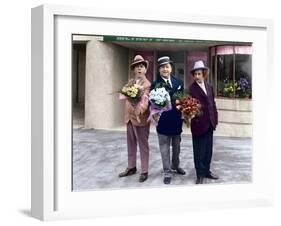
(169, 84)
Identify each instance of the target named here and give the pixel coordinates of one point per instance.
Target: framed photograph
(81, 58)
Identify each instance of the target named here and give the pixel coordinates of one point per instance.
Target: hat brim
(199, 68)
(139, 62)
(167, 62)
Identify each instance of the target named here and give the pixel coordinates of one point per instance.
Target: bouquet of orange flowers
(190, 107)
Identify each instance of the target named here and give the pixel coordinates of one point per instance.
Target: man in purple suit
(202, 126)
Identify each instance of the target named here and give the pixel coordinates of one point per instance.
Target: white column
(106, 72)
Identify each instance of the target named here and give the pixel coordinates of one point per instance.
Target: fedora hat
(199, 65)
(164, 60)
(137, 60)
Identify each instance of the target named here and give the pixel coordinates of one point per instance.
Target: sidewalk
(100, 155)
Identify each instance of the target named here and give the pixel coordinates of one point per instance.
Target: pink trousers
(138, 135)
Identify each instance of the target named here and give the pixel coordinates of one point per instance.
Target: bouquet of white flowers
(160, 101)
(159, 97)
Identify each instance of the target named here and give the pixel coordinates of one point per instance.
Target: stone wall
(235, 117)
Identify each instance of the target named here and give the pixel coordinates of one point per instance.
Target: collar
(167, 79)
(139, 79)
(203, 87)
(201, 84)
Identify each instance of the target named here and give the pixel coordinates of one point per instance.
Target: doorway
(78, 83)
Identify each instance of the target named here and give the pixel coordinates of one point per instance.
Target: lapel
(161, 80)
(207, 88)
(131, 81)
(173, 83)
(142, 81)
(201, 90)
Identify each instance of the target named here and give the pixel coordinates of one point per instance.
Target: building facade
(101, 67)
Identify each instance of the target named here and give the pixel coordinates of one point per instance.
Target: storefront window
(225, 75)
(243, 75)
(232, 71)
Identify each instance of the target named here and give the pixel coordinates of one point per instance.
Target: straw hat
(164, 60)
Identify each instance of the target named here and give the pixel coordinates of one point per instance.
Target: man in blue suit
(169, 126)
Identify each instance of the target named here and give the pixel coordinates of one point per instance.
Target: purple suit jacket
(201, 124)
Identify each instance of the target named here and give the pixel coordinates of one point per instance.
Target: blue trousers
(202, 152)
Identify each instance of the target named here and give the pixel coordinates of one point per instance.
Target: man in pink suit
(136, 116)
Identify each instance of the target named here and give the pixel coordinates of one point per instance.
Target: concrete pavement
(100, 155)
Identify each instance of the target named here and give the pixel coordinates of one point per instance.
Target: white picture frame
(52, 197)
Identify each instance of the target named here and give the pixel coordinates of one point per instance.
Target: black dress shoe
(128, 172)
(199, 180)
(180, 171)
(143, 177)
(167, 180)
(212, 176)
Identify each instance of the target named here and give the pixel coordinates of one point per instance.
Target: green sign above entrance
(167, 40)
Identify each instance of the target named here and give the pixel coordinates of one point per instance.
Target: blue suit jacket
(170, 122)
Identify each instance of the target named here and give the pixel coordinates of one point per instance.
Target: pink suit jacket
(137, 114)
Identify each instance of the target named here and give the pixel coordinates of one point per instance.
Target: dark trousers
(202, 152)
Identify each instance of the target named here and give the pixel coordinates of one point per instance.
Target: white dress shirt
(138, 80)
(169, 79)
(202, 86)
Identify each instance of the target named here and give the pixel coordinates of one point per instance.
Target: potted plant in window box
(243, 88)
(228, 90)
